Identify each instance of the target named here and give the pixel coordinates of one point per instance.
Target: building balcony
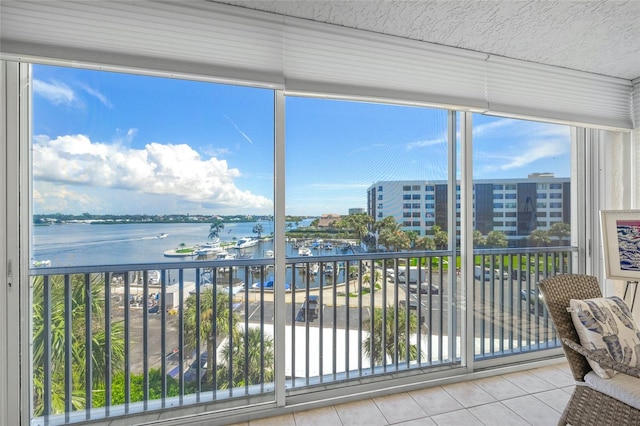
(224, 339)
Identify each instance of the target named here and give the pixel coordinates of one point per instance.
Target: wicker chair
(587, 406)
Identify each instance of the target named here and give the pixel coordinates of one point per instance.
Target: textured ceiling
(601, 37)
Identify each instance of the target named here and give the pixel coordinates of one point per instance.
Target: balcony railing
(117, 340)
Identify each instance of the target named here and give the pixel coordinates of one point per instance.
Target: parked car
(425, 288)
(415, 274)
(191, 374)
(530, 298)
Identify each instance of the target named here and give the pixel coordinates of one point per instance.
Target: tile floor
(532, 397)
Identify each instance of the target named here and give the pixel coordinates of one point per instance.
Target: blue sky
(120, 143)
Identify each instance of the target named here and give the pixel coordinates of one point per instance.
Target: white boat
(268, 254)
(304, 251)
(208, 248)
(246, 242)
(41, 263)
(153, 277)
(225, 255)
(162, 235)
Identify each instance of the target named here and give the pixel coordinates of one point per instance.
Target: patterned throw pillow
(606, 325)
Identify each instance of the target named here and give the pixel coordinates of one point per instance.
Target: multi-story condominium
(513, 206)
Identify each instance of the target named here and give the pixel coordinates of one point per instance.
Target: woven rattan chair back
(557, 291)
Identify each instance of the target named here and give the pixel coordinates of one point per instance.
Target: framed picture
(621, 244)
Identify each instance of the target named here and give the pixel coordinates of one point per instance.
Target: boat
(328, 246)
(208, 248)
(304, 251)
(225, 255)
(312, 269)
(153, 277)
(246, 242)
(269, 285)
(41, 263)
(162, 235)
(245, 255)
(268, 254)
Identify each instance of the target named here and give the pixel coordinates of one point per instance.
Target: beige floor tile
(435, 401)
(399, 408)
(425, 421)
(529, 382)
(318, 417)
(497, 414)
(554, 376)
(469, 394)
(363, 412)
(460, 417)
(284, 420)
(534, 411)
(556, 398)
(499, 387)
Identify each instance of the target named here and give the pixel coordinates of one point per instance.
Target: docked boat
(41, 263)
(246, 242)
(269, 285)
(304, 251)
(225, 255)
(208, 248)
(268, 254)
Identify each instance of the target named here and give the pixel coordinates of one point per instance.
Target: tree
(258, 229)
(478, 239)
(314, 223)
(57, 336)
(387, 224)
(560, 230)
(358, 223)
(394, 347)
(497, 239)
(440, 237)
(247, 360)
(394, 240)
(539, 238)
(425, 243)
(216, 227)
(413, 236)
(216, 319)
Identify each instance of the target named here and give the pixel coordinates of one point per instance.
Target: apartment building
(512, 206)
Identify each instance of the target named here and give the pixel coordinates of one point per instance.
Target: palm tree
(380, 351)
(57, 337)
(497, 239)
(258, 229)
(539, 238)
(560, 230)
(478, 239)
(440, 237)
(216, 319)
(247, 360)
(215, 229)
(425, 243)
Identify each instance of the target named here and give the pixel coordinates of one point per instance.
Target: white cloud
(96, 94)
(426, 143)
(534, 151)
(170, 170)
(481, 129)
(56, 93)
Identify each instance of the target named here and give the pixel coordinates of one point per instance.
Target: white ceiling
(601, 37)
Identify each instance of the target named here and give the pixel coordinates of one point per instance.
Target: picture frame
(621, 244)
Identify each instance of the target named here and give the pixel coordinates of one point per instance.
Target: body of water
(75, 244)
